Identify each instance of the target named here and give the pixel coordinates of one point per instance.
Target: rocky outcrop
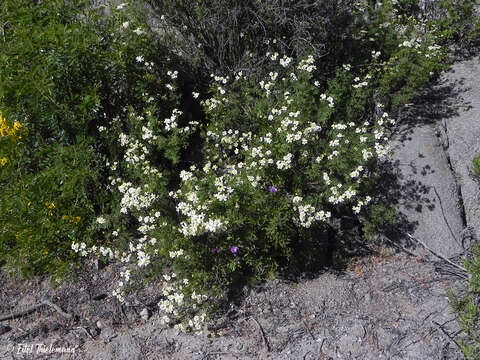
(433, 148)
(462, 131)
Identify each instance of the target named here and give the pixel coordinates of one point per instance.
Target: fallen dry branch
(440, 256)
(34, 308)
(308, 330)
(262, 333)
(452, 338)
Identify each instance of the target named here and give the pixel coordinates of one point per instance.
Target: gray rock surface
(426, 192)
(438, 136)
(463, 132)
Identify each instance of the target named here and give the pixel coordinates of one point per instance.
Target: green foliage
(456, 21)
(467, 309)
(476, 165)
(66, 70)
(379, 217)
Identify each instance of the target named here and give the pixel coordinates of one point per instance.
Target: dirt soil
(383, 306)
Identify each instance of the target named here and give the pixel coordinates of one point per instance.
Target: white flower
(195, 95)
(101, 220)
(139, 59)
(125, 24)
(285, 61)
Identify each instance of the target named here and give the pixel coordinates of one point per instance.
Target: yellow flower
(50, 205)
(6, 130)
(3, 161)
(72, 219)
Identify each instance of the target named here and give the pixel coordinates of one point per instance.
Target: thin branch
(57, 309)
(262, 332)
(440, 256)
(308, 329)
(27, 311)
(34, 308)
(85, 331)
(446, 333)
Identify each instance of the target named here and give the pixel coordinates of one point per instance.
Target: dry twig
(262, 332)
(440, 256)
(34, 308)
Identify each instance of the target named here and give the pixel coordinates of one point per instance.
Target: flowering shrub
(112, 148)
(284, 157)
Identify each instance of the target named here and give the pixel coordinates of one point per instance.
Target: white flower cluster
(197, 221)
(412, 43)
(329, 99)
(307, 64)
(285, 162)
(135, 197)
(307, 214)
(212, 103)
(176, 254)
(136, 152)
(285, 61)
(171, 122)
(338, 197)
(267, 85)
(356, 209)
(223, 190)
(356, 173)
(173, 74)
(360, 84)
(82, 249)
(175, 305)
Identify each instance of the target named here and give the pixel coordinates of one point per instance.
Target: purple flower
(213, 250)
(272, 189)
(234, 249)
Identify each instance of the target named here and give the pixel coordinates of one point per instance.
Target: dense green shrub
(66, 71)
(455, 20)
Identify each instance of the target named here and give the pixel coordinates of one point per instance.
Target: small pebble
(145, 314)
